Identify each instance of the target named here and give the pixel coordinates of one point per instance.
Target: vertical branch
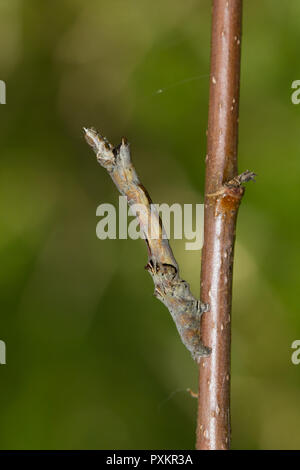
(223, 193)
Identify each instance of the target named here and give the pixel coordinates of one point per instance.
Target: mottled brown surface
(169, 288)
(221, 206)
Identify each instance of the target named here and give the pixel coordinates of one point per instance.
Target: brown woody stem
(223, 194)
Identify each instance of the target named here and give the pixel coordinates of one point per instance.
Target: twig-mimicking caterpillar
(174, 292)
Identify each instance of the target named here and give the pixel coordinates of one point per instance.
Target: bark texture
(223, 194)
(174, 292)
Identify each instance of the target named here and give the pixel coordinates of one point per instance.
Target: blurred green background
(93, 360)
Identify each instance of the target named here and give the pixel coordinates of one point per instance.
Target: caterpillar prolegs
(174, 292)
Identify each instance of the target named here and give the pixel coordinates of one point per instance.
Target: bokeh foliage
(93, 360)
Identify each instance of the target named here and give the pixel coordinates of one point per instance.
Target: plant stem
(223, 193)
